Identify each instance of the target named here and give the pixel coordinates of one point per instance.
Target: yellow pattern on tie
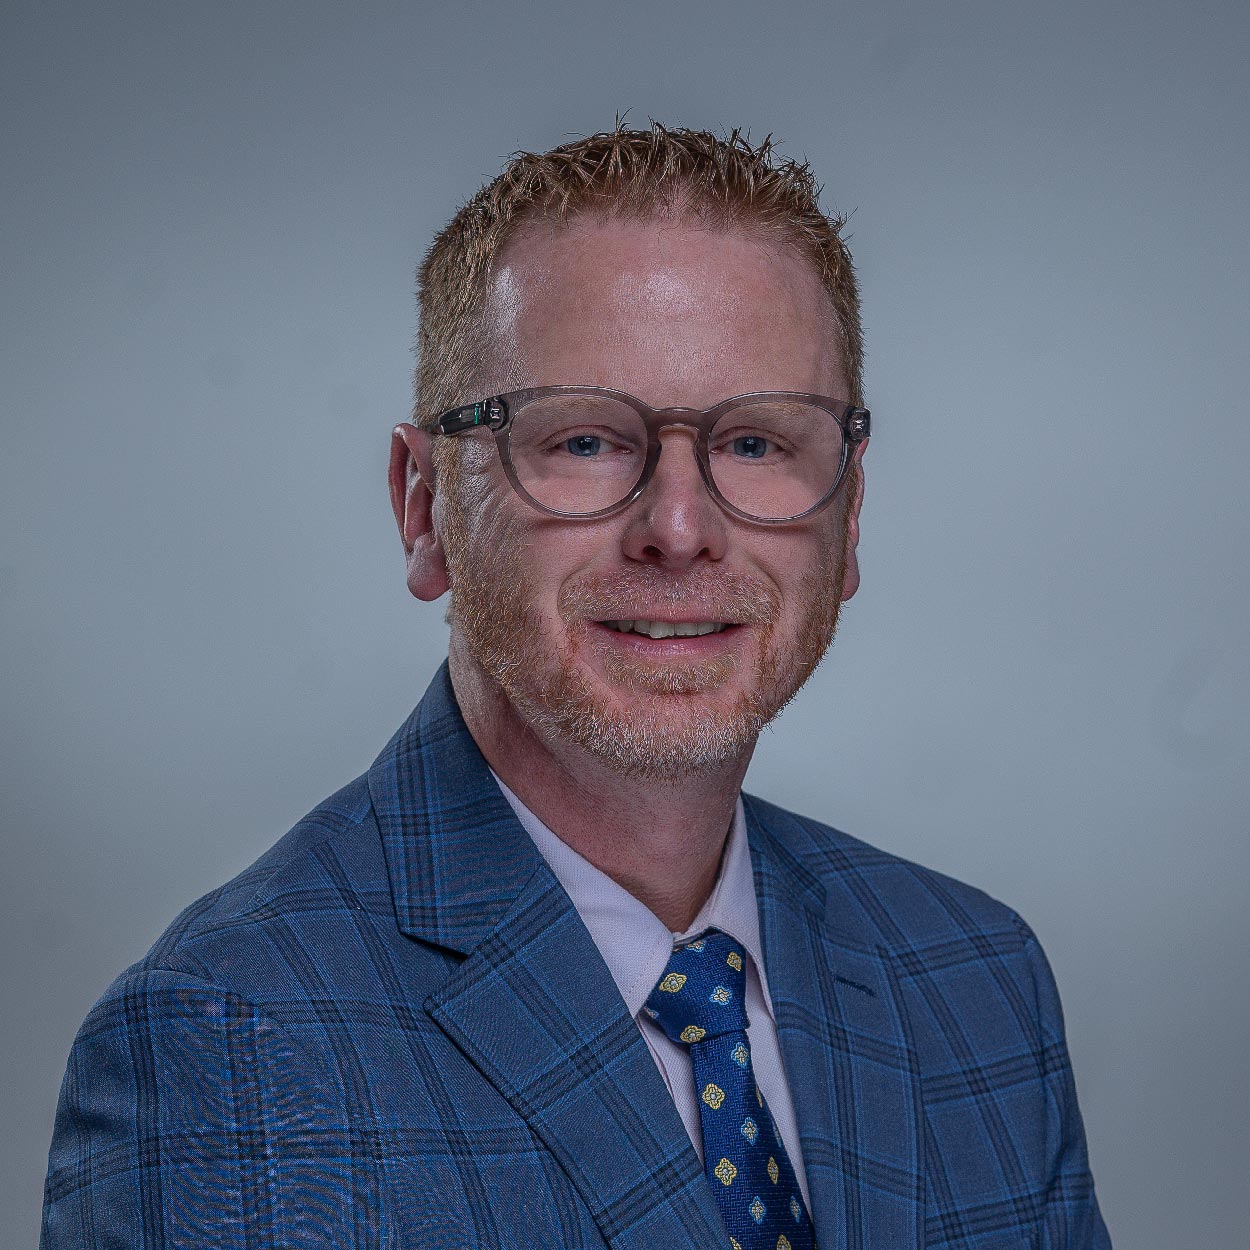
(713, 1095)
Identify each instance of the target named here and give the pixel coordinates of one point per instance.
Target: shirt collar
(634, 942)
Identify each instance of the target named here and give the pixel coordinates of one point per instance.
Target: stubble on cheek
(645, 719)
(487, 605)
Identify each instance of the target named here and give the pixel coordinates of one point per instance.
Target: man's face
(677, 316)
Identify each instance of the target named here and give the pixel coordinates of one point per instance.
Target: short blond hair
(640, 174)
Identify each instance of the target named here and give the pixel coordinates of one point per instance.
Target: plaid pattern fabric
(393, 1031)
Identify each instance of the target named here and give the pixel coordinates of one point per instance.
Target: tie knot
(703, 990)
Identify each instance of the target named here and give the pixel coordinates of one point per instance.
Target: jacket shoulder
(886, 899)
(334, 850)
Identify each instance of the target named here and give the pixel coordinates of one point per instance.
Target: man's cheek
(481, 528)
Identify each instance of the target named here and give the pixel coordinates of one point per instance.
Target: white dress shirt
(636, 946)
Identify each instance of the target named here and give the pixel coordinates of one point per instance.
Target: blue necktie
(700, 1002)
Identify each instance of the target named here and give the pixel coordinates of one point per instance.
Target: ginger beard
(661, 721)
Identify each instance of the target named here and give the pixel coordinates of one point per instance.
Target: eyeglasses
(583, 452)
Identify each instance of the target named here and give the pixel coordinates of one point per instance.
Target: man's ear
(855, 483)
(411, 477)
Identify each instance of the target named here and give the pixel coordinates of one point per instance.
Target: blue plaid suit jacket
(393, 1031)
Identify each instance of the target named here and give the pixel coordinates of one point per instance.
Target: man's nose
(675, 521)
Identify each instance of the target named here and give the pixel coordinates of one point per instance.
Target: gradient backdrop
(211, 217)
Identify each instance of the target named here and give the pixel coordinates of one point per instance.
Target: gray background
(211, 218)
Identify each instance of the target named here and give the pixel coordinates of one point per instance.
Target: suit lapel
(849, 1059)
(532, 1006)
(535, 1009)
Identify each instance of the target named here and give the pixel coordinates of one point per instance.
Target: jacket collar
(532, 1005)
(456, 855)
(845, 1037)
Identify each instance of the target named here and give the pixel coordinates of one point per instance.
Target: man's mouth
(668, 629)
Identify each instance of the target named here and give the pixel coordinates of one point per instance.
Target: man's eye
(584, 445)
(750, 446)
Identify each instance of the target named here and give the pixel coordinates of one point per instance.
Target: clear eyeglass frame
(496, 414)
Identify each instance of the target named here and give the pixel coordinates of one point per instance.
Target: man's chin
(656, 723)
(712, 680)
(667, 739)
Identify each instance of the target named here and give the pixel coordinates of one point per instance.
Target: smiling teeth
(667, 629)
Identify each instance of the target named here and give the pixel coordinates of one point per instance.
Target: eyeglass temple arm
(490, 413)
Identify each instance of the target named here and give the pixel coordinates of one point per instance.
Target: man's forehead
(602, 287)
(656, 260)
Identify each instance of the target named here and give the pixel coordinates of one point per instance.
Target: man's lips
(634, 602)
(687, 628)
(658, 642)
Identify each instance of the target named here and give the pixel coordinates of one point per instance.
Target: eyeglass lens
(578, 454)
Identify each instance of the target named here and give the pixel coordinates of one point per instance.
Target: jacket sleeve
(189, 1119)
(1070, 1219)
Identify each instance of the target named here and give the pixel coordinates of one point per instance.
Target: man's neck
(660, 840)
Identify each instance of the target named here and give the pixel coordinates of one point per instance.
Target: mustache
(705, 594)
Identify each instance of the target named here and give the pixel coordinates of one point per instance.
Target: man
(543, 977)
